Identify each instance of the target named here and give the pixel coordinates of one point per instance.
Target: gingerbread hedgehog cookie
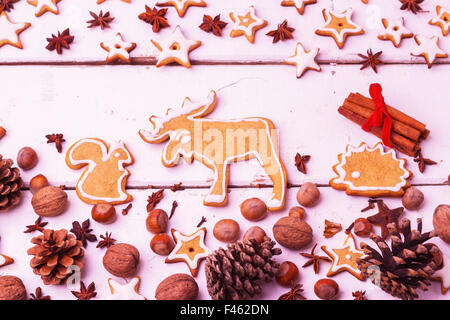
(371, 172)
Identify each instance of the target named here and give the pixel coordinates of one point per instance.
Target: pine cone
(404, 267)
(10, 184)
(56, 253)
(234, 273)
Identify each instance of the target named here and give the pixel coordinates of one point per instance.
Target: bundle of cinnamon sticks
(406, 132)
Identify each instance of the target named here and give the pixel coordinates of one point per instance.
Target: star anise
(423, 162)
(154, 199)
(83, 232)
(213, 25)
(155, 17)
(37, 226)
(283, 32)
(57, 139)
(60, 41)
(38, 295)
(85, 293)
(372, 60)
(359, 295)
(101, 20)
(411, 5)
(314, 259)
(294, 294)
(7, 5)
(385, 216)
(107, 241)
(300, 162)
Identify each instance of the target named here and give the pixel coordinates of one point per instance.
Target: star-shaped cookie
(118, 49)
(182, 5)
(10, 31)
(5, 260)
(345, 258)
(127, 291)
(42, 6)
(176, 48)
(395, 31)
(339, 26)
(246, 24)
(385, 216)
(443, 275)
(303, 60)
(442, 20)
(298, 4)
(101, 1)
(428, 48)
(190, 249)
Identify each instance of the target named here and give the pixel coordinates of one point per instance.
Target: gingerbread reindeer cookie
(104, 178)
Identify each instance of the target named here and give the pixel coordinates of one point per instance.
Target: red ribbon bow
(376, 119)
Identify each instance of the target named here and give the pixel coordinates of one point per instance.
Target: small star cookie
(298, 4)
(175, 49)
(101, 1)
(304, 60)
(189, 248)
(128, 291)
(345, 258)
(42, 6)
(442, 20)
(118, 49)
(10, 31)
(395, 31)
(443, 275)
(339, 26)
(246, 24)
(181, 5)
(428, 48)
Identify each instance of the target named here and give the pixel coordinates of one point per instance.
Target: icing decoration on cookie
(428, 48)
(190, 249)
(127, 291)
(42, 6)
(118, 49)
(246, 24)
(217, 144)
(104, 178)
(10, 31)
(395, 31)
(175, 49)
(5, 260)
(442, 20)
(304, 60)
(181, 5)
(101, 1)
(339, 26)
(371, 172)
(345, 258)
(443, 275)
(298, 4)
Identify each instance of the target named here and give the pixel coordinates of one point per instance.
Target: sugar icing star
(190, 249)
(246, 24)
(127, 291)
(298, 4)
(175, 49)
(339, 26)
(304, 60)
(118, 49)
(181, 5)
(395, 31)
(442, 20)
(443, 274)
(42, 6)
(428, 48)
(10, 31)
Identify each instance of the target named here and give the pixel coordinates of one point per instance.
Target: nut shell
(162, 244)
(362, 227)
(326, 289)
(292, 233)
(254, 209)
(157, 221)
(441, 222)
(412, 199)
(254, 232)
(27, 158)
(121, 260)
(38, 182)
(12, 288)
(297, 212)
(308, 195)
(104, 213)
(287, 274)
(178, 286)
(226, 230)
(49, 201)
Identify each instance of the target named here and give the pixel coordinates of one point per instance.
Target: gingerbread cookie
(395, 31)
(190, 249)
(175, 49)
(298, 4)
(345, 258)
(128, 291)
(303, 60)
(339, 26)
(10, 31)
(443, 274)
(246, 24)
(429, 49)
(181, 5)
(5, 260)
(104, 178)
(101, 1)
(118, 49)
(441, 20)
(371, 172)
(217, 144)
(42, 6)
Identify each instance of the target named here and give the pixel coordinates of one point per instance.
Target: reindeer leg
(274, 168)
(217, 195)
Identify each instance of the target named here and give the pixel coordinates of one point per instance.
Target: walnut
(178, 286)
(12, 288)
(121, 260)
(292, 233)
(441, 222)
(49, 201)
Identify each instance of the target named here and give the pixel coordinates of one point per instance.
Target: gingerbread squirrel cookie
(10, 31)
(118, 50)
(43, 6)
(128, 291)
(441, 20)
(246, 24)
(395, 31)
(217, 144)
(298, 4)
(428, 48)
(104, 178)
(181, 5)
(303, 60)
(371, 172)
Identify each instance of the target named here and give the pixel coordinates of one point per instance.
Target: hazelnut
(292, 233)
(2, 132)
(103, 213)
(27, 158)
(38, 182)
(362, 227)
(412, 199)
(12, 288)
(297, 212)
(256, 233)
(287, 274)
(157, 221)
(441, 222)
(121, 260)
(326, 289)
(253, 209)
(49, 201)
(308, 194)
(178, 286)
(162, 244)
(226, 230)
